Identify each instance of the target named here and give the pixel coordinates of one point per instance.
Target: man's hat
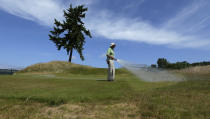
(112, 44)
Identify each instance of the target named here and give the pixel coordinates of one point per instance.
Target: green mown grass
(160, 100)
(62, 90)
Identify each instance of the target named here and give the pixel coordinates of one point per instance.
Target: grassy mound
(66, 67)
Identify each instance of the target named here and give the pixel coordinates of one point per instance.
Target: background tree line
(165, 64)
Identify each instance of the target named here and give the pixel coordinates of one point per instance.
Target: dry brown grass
(72, 111)
(195, 70)
(88, 111)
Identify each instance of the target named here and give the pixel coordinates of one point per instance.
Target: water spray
(147, 73)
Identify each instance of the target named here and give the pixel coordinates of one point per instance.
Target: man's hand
(111, 57)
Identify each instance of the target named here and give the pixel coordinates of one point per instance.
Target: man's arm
(111, 57)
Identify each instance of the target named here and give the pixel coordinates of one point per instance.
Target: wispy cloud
(40, 11)
(134, 4)
(192, 18)
(181, 31)
(135, 30)
(186, 29)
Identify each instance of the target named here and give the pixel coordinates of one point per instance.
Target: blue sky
(144, 30)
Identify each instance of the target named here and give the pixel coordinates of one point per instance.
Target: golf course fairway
(77, 96)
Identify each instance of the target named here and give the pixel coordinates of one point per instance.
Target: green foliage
(178, 65)
(163, 63)
(69, 34)
(7, 71)
(204, 63)
(154, 66)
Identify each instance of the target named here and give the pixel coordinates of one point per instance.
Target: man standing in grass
(110, 61)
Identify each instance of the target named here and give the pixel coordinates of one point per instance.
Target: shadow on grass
(102, 80)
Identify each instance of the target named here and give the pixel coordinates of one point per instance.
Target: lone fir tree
(70, 33)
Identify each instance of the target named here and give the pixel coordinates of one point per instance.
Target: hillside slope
(66, 67)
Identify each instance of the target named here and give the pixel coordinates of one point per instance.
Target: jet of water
(149, 74)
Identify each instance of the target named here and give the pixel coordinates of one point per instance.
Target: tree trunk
(70, 55)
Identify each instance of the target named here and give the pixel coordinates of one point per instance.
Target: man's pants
(111, 70)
